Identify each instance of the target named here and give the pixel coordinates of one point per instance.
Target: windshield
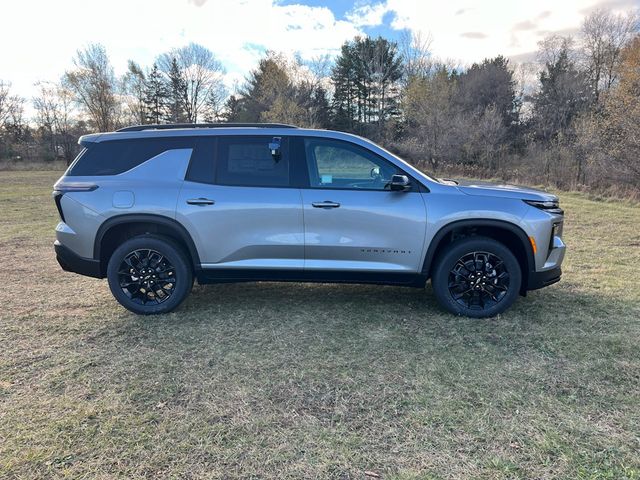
(424, 174)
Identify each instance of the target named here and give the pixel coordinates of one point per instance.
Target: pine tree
(156, 96)
(215, 104)
(232, 109)
(366, 79)
(564, 94)
(177, 93)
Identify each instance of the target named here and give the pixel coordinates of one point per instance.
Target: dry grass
(324, 381)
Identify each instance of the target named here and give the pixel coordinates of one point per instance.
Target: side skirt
(206, 276)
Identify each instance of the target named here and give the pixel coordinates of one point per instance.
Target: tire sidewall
(457, 250)
(175, 255)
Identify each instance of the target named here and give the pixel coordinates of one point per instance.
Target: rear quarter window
(118, 156)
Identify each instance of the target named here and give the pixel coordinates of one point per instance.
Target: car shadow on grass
(326, 307)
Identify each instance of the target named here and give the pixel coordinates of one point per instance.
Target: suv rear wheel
(149, 274)
(476, 277)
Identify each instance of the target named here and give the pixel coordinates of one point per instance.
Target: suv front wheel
(149, 274)
(476, 277)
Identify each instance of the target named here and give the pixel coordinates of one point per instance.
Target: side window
(337, 164)
(202, 165)
(248, 162)
(118, 156)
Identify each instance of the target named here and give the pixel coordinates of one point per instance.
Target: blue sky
(40, 37)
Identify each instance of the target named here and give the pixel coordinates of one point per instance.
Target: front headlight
(557, 230)
(549, 206)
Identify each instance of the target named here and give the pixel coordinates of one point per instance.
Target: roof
(208, 129)
(174, 126)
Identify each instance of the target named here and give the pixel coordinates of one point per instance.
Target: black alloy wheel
(479, 280)
(476, 277)
(147, 277)
(150, 274)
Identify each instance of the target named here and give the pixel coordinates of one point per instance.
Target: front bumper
(72, 262)
(545, 278)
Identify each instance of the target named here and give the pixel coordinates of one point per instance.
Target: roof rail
(171, 126)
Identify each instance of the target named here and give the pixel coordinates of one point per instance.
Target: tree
(366, 80)
(133, 89)
(564, 94)
(553, 46)
(200, 73)
(280, 90)
(345, 90)
(12, 125)
(604, 35)
(55, 117)
(156, 96)
(9, 103)
(269, 94)
(415, 52)
(214, 106)
(94, 85)
(431, 114)
(490, 84)
(232, 111)
(177, 96)
(619, 124)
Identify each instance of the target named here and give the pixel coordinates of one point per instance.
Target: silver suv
(153, 207)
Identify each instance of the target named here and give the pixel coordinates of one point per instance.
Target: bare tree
(415, 51)
(55, 116)
(215, 103)
(9, 103)
(202, 73)
(431, 118)
(553, 46)
(133, 91)
(94, 85)
(604, 35)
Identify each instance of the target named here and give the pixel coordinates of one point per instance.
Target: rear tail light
(64, 187)
(57, 197)
(61, 188)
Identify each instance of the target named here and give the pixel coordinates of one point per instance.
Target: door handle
(200, 201)
(325, 204)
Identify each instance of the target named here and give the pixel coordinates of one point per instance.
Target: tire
(476, 277)
(149, 275)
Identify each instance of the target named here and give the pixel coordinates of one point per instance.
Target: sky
(39, 38)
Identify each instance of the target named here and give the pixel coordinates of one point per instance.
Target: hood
(486, 189)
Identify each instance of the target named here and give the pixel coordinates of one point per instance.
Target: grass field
(273, 380)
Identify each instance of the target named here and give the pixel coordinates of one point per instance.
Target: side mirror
(399, 183)
(274, 147)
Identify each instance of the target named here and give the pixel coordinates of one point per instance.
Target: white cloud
(39, 38)
(468, 30)
(368, 15)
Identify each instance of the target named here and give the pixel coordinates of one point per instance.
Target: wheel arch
(121, 227)
(510, 234)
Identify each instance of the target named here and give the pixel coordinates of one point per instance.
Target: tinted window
(118, 156)
(336, 164)
(201, 167)
(247, 161)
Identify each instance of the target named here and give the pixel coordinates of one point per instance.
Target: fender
(480, 222)
(134, 218)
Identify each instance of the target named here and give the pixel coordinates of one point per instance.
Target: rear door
(239, 206)
(352, 220)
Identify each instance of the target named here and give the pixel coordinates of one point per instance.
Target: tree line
(571, 118)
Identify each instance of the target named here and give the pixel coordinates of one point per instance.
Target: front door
(352, 221)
